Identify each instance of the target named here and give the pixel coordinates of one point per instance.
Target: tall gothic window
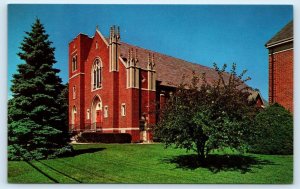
(97, 74)
(74, 63)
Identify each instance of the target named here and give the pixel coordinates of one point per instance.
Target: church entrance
(97, 116)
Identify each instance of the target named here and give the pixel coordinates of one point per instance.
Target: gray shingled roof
(284, 34)
(170, 69)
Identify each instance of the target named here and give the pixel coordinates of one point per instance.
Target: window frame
(97, 74)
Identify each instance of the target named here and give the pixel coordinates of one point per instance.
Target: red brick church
(281, 57)
(115, 87)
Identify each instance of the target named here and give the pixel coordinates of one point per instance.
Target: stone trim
(102, 37)
(81, 73)
(75, 51)
(281, 51)
(119, 129)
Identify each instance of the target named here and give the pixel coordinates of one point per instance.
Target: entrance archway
(96, 111)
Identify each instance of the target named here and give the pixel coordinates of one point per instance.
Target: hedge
(273, 131)
(92, 137)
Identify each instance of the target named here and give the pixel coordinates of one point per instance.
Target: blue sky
(197, 33)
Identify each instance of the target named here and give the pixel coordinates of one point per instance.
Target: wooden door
(98, 119)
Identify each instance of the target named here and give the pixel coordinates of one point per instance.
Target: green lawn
(151, 163)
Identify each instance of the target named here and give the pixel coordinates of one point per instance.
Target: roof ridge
(193, 63)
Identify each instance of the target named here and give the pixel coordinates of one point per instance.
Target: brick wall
(281, 78)
(78, 47)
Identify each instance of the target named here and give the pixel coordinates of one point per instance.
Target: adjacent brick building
(281, 57)
(116, 87)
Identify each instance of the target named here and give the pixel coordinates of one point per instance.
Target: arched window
(105, 111)
(97, 74)
(123, 109)
(74, 92)
(73, 120)
(88, 114)
(74, 63)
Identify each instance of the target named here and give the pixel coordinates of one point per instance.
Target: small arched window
(74, 63)
(123, 109)
(73, 120)
(74, 92)
(74, 109)
(88, 114)
(105, 111)
(97, 74)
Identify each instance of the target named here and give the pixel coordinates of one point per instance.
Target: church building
(115, 87)
(281, 56)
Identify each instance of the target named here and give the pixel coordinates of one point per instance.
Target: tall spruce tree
(36, 124)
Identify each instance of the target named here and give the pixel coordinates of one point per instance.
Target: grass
(151, 163)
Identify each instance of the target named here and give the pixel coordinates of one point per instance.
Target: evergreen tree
(63, 100)
(36, 126)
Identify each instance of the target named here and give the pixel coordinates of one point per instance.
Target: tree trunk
(201, 152)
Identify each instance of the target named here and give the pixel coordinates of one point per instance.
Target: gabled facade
(115, 87)
(256, 97)
(281, 56)
(108, 93)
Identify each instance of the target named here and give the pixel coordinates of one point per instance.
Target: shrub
(272, 131)
(104, 137)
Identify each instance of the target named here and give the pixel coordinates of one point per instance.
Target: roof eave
(280, 42)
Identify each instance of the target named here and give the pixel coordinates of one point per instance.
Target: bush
(272, 131)
(104, 137)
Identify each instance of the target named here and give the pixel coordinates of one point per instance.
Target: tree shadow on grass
(77, 152)
(88, 150)
(216, 163)
(74, 153)
(59, 172)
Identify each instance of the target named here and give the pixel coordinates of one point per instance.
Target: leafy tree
(36, 123)
(201, 116)
(273, 131)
